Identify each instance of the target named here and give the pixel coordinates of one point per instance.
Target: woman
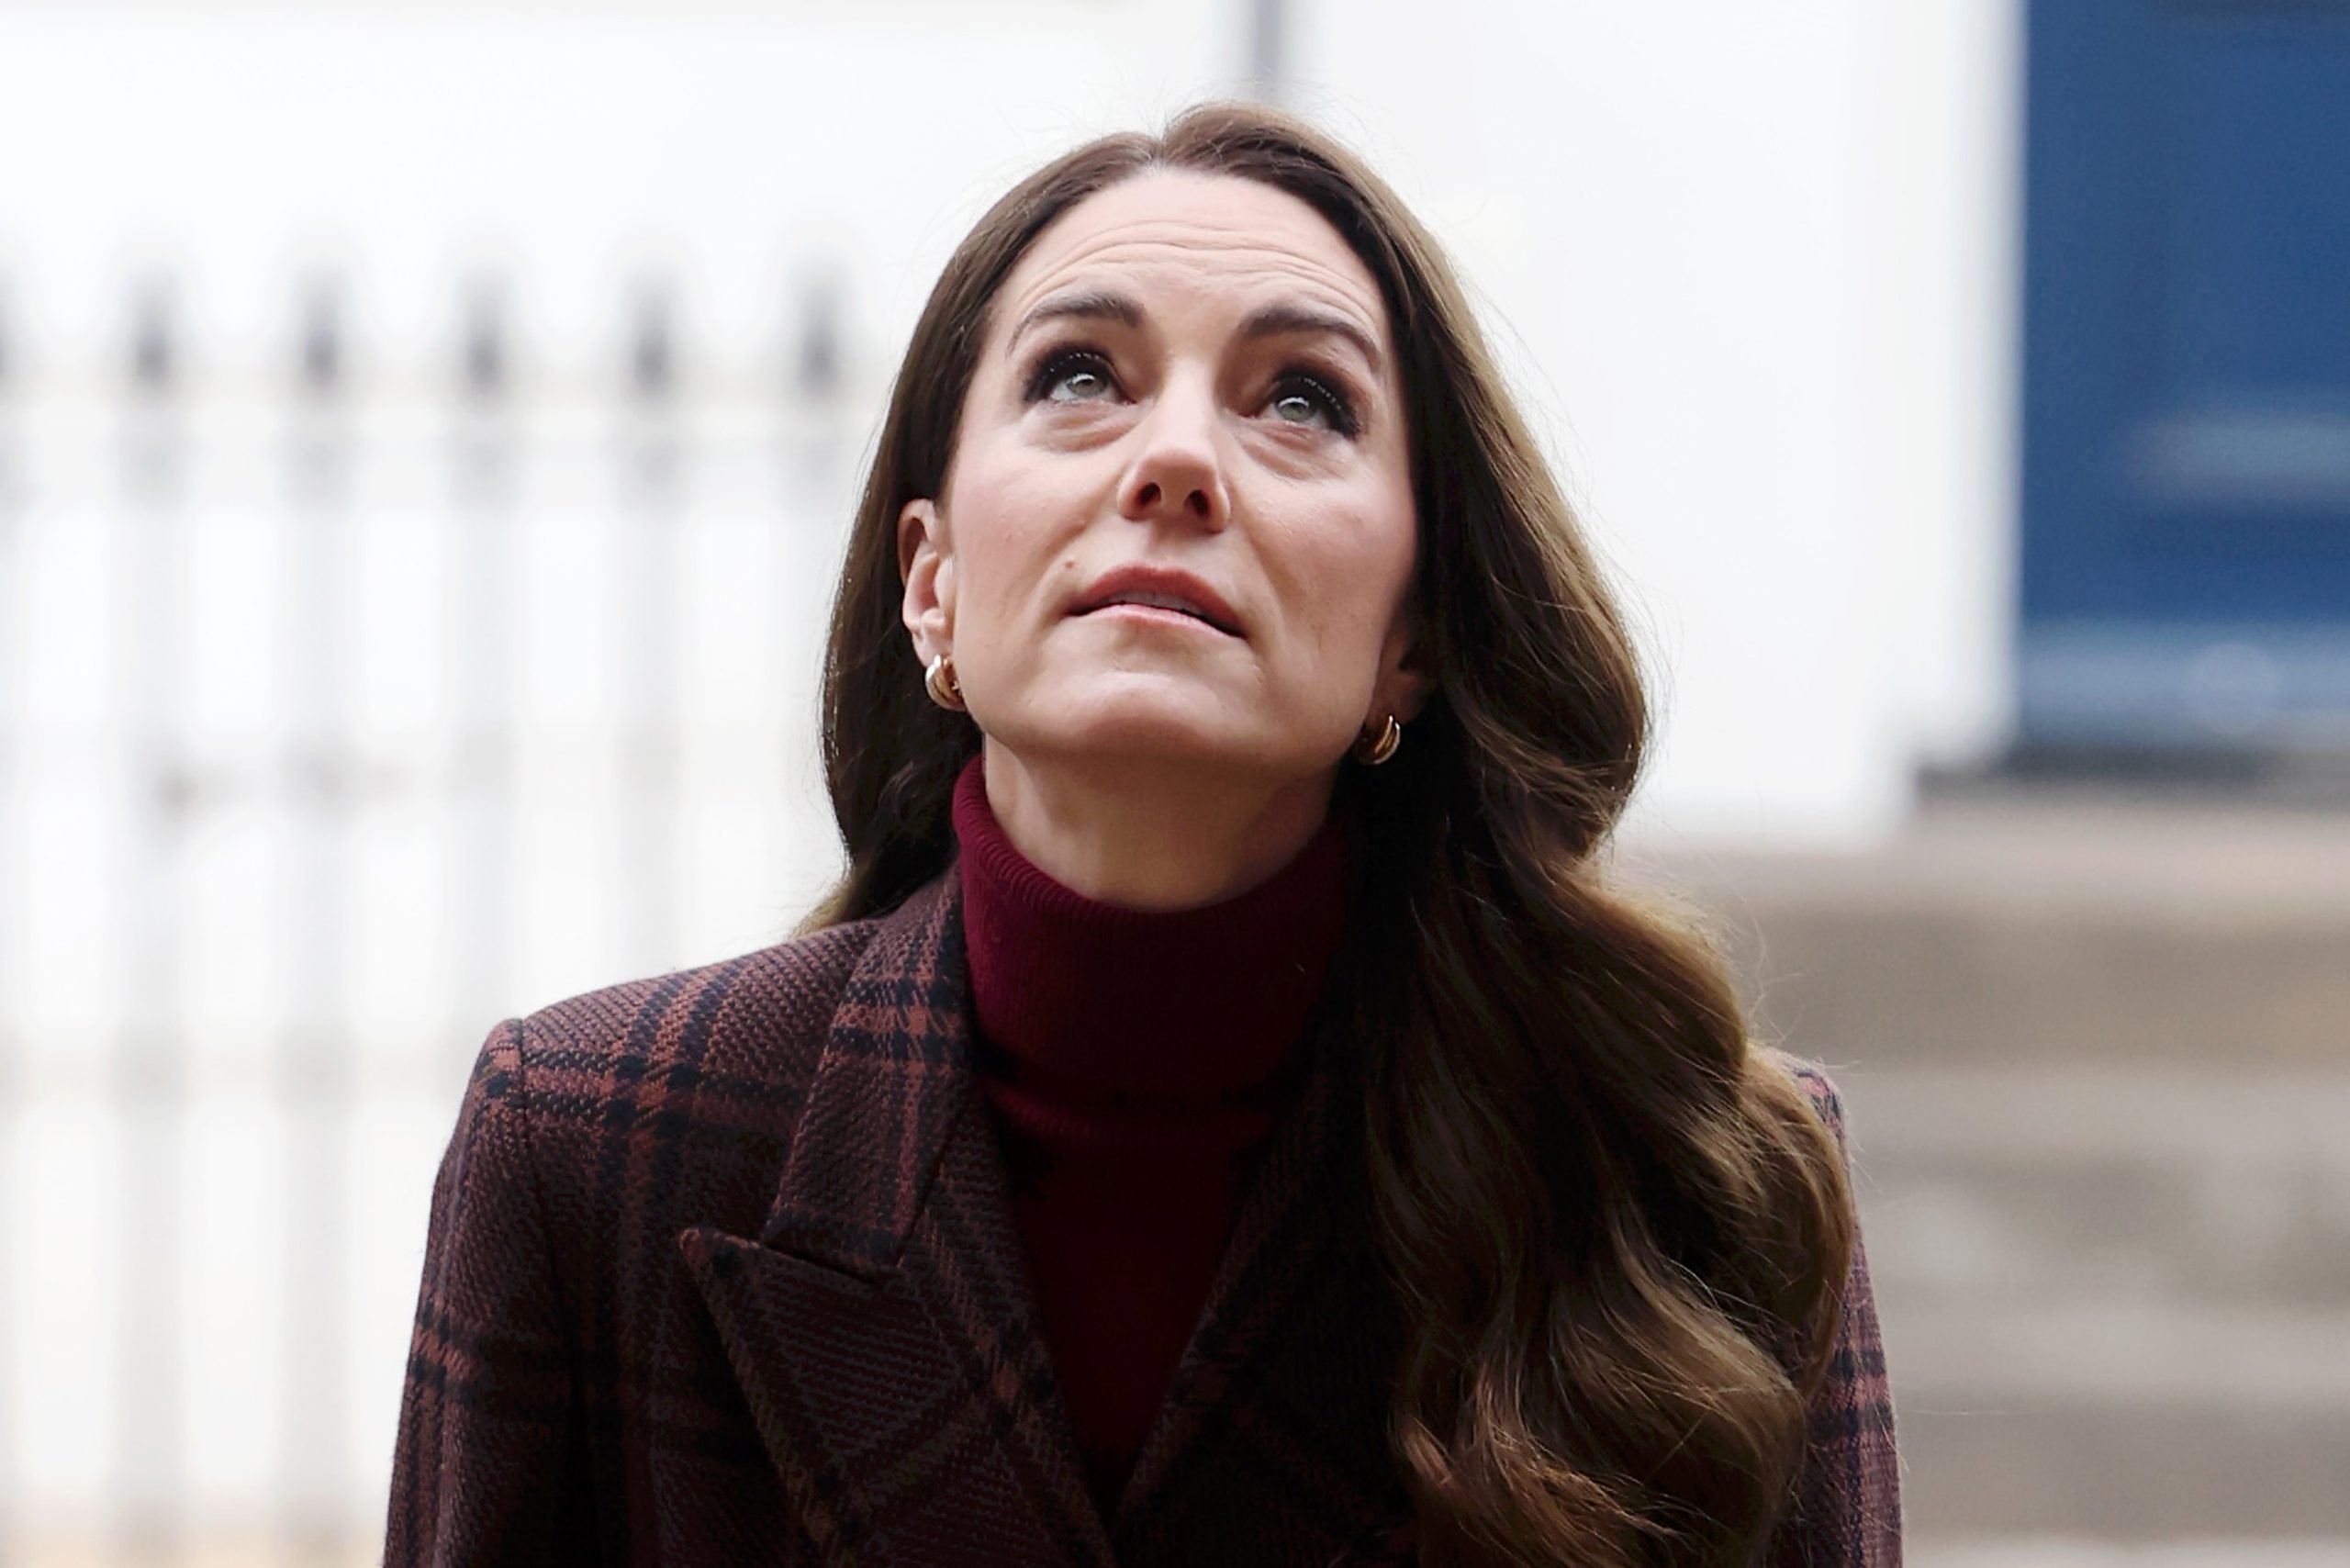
(1222, 1115)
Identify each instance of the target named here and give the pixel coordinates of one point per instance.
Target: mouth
(1160, 602)
(1167, 592)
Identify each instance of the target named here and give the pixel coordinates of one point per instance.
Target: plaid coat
(722, 1270)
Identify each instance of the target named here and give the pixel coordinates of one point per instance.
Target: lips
(1158, 589)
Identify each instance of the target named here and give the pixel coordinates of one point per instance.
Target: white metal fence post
(646, 630)
(11, 819)
(314, 1058)
(150, 1059)
(486, 460)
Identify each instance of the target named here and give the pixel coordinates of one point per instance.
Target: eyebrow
(1268, 321)
(1281, 321)
(1085, 304)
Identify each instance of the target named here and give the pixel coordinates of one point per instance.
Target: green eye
(1296, 409)
(1301, 399)
(1080, 376)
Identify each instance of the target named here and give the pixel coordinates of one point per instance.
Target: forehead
(1175, 232)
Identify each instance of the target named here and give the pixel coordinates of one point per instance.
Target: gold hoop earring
(1371, 749)
(939, 680)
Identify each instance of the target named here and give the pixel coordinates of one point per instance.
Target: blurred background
(426, 437)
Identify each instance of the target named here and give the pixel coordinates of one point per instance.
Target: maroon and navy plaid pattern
(1847, 1510)
(722, 1270)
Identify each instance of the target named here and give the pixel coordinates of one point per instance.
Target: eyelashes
(1087, 375)
(1299, 387)
(1058, 365)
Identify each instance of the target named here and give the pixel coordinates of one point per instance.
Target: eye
(1078, 375)
(1301, 399)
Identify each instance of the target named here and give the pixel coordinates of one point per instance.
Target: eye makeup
(1321, 389)
(1327, 390)
(1055, 365)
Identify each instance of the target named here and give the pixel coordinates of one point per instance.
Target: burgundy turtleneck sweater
(1135, 1064)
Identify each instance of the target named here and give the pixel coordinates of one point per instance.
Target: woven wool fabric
(721, 1270)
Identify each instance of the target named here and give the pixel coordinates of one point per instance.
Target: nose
(1176, 475)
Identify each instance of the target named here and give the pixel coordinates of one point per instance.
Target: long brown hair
(1616, 1233)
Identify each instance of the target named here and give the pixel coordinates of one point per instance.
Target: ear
(927, 569)
(1406, 670)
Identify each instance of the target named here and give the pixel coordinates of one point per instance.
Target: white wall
(239, 143)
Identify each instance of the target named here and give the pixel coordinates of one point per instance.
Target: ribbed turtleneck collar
(1104, 1000)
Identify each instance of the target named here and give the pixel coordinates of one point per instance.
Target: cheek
(1348, 568)
(1010, 526)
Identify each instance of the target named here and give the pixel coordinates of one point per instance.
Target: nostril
(1198, 501)
(1149, 495)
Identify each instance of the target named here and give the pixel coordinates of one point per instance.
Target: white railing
(346, 709)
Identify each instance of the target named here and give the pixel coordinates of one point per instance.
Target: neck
(1151, 837)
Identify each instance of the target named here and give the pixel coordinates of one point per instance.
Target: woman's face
(1179, 525)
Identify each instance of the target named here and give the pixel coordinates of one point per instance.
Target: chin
(1182, 727)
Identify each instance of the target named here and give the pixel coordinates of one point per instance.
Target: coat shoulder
(1810, 1077)
(707, 1063)
(591, 1131)
(761, 1014)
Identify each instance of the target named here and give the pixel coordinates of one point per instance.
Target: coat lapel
(1271, 1445)
(882, 1325)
